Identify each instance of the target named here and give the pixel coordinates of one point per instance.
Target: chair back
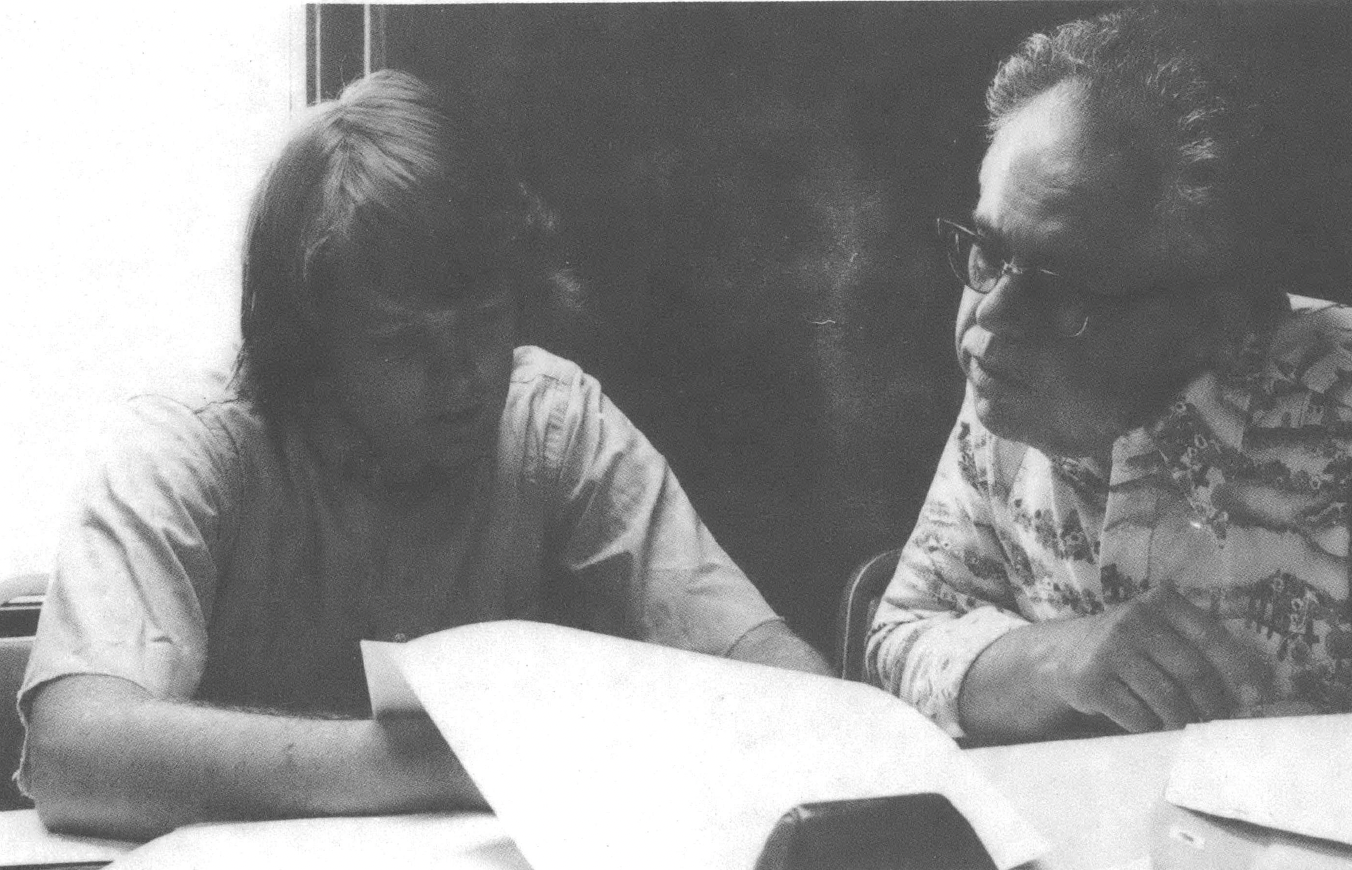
(858, 602)
(20, 601)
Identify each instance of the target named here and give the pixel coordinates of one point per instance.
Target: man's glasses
(1066, 307)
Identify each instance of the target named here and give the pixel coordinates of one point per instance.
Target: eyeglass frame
(948, 231)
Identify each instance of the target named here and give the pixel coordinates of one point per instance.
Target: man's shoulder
(537, 366)
(198, 415)
(542, 378)
(207, 400)
(1311, 352)
(1306, 305)
(1314, 328)
(548, 401)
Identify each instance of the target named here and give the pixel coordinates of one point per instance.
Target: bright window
(134, 136)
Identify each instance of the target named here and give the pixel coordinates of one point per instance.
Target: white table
(1100, 802)
(464, 841)
(1095, 800)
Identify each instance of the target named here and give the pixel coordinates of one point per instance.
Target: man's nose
(1007, 309)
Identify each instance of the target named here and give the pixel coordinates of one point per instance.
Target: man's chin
(1022, 422)
(1014, 419)
(440, 468)
(1002, 415)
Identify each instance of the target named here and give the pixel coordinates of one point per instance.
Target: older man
(1140, 518)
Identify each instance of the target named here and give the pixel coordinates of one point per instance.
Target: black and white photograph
(818, 435)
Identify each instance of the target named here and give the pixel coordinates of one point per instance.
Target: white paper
(430, 841)
(1292, 774)
(598, 752)
(385, 684)
(24, 841)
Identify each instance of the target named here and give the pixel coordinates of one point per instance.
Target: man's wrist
(1011, 691)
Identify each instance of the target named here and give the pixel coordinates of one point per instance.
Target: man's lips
(996, 372)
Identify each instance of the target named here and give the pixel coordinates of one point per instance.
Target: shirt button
(400, 637)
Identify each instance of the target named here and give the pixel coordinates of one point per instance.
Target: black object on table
(908, 832)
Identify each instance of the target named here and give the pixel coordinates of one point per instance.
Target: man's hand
(1157, 661)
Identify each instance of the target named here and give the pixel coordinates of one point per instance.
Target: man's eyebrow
(998, 241)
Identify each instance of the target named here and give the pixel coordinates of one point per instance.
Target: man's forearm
(1002, 699)
(105, 757)
(773, 643)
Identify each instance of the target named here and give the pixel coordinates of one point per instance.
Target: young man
(1141, 518)
(387, 465)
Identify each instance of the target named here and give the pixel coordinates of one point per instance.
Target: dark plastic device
(908, 832)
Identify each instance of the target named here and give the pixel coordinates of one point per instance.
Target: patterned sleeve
(951, 596)
(641, 561)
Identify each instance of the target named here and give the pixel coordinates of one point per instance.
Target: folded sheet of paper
(1289, 774)
(431, 841)
(610, 754)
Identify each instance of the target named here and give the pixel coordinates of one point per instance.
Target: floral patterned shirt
(1237, 495)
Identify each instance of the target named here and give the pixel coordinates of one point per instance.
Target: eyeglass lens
(981, 269)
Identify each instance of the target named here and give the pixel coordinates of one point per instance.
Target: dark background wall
(745, 193)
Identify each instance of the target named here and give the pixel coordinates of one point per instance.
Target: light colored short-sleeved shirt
(214, 558)
(1237, 495)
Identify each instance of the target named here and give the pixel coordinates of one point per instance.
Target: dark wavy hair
(1162, 82)
(387, 173)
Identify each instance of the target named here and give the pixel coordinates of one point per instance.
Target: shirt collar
(1220, 400)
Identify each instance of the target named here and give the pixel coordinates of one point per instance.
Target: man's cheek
(964, 323)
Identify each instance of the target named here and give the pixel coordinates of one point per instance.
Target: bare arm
(772, 643)
(105, 757)
(1156, 662)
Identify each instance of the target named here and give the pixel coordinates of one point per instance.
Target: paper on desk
(1136, 864)
(24, 842)
(599, 752)
(430, 841)
(1187, 840)
(1291, 774)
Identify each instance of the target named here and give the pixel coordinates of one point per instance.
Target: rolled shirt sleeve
(951, 596)
(630, 537)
